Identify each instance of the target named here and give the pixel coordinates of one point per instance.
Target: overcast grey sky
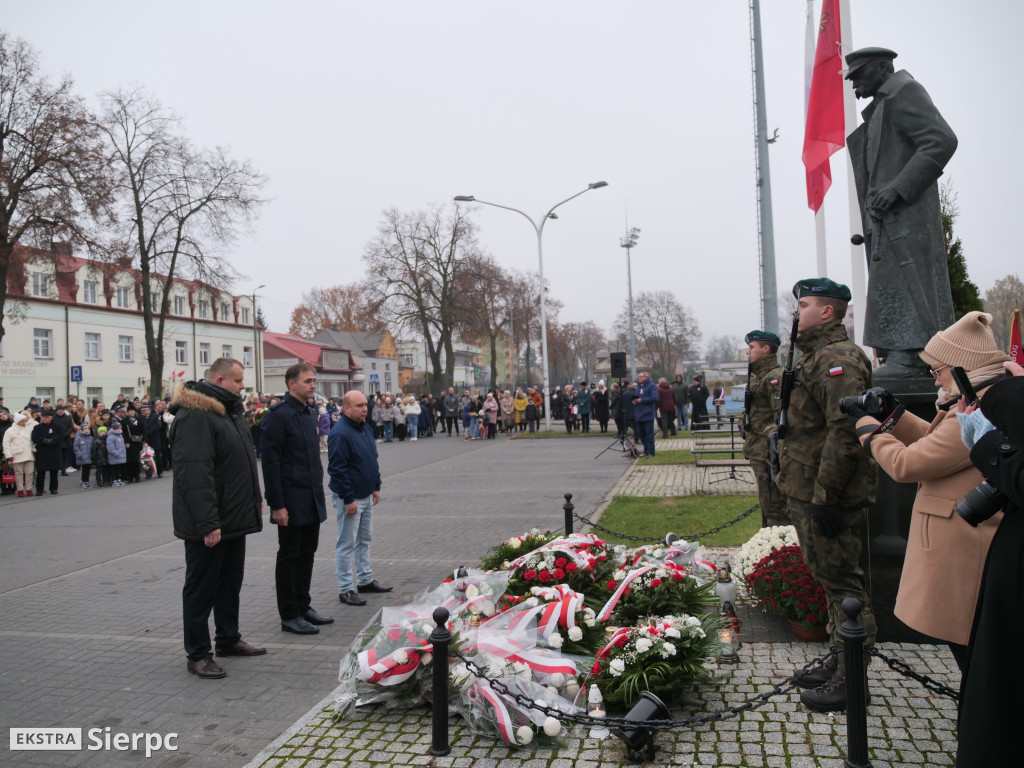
(351, 108)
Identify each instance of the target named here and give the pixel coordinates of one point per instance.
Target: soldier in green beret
(828, 480)
(761, 407)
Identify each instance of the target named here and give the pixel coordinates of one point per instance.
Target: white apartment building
(75, 326)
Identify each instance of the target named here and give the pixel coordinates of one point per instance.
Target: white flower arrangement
(758, 547)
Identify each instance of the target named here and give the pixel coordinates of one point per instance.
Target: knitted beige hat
(968, 343)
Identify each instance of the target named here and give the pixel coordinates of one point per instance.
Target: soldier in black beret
(827, 478)
(761, 415)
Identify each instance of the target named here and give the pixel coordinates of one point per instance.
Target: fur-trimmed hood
(214, 399)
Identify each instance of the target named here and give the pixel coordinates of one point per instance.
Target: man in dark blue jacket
(355, 489)
(644, 402)
(294, 480)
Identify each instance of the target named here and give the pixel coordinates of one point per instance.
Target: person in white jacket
(18, 448)
(412, 417)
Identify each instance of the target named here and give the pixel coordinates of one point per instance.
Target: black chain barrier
(901, 667)
(686, 537)
(755, 702)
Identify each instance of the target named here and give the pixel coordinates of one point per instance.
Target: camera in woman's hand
(980, 504)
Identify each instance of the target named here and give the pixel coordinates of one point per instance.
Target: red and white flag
(825, 132)
(1016, 352)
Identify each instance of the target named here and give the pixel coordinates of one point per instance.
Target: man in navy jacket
(293, 476)
(645, 401)
(355, 489)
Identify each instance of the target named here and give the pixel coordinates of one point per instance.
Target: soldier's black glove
(828, 518)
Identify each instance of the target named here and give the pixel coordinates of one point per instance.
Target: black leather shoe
(299, 626)
(816, 676)
(374, 586)
(207, 669)
(242, 648)
(351, 598)
(315, 618)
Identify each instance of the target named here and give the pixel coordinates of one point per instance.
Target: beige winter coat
(945, 556)
(18, 442)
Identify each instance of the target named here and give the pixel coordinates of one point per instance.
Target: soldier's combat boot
(816, 676)
(830, 697)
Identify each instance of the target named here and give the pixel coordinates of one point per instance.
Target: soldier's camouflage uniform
(765, 387)
(823, 463)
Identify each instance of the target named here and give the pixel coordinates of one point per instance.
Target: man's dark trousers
(645, 434)
(296, 547)
(213, 579)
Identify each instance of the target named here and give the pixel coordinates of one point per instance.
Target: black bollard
(568, 508)
(853, 635)
(440, 638)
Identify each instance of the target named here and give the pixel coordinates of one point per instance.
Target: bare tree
(1001, 299)
(665, 331)
(182, 204)
(562, 360)
(417, 276)
(724, 349)
(56, 179)
(341, 307)
(487, 316)
(587, 340)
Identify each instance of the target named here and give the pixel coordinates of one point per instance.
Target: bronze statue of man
(898, 154)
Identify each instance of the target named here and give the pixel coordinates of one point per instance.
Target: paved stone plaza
(90, 625)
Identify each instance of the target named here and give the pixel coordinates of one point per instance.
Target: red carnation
(655, 582)
(677, 577)
(530, 575)
(394, 634)
(559, 574)
(596, 668)
(560, 562)
(611, 584)
(621, 642)
(545, 576)
(571, 567)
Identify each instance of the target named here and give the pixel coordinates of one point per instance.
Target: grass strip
(684, 515)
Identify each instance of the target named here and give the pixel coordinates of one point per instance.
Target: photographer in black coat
(216, 504)
(989, 728)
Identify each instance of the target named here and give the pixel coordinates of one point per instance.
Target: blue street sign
(76, 373)
(374, 377)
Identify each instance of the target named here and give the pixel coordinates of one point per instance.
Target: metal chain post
(568, 509)
(853, 636)
(440, 638)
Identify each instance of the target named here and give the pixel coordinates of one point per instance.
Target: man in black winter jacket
(217, 503)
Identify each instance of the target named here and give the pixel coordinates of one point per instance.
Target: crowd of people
(110, 447)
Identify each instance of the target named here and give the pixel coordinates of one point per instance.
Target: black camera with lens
(876, 402)
(980, 504)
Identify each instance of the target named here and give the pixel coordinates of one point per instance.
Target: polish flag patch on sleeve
(836, 371)
(774, 382)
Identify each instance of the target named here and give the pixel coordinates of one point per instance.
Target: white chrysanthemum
(668, 649)
(515, 543)
(658, 554)
(426, 658)
(472, 591)
(589, 622)
(401, 656)
(555, 641)
(534, 590)
(672, 632)
(572, 688)
(521, 668)
(643, 645)
(589, 613)
(617, 667)
(661, 573)
(524, 734)
(531, 602)
(575, 634)
(486, 607)
(552, 727)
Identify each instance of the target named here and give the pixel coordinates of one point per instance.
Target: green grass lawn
(662, 458)
(683, 515)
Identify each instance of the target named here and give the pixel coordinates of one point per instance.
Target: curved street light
(540, 261)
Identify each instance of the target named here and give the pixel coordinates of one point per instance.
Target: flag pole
(858, 279)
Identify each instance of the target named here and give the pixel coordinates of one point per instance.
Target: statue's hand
(882, 201)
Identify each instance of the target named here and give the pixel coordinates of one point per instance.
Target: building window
(40, 285)
(245, 316)
(225, 351)
(42, 343)
(181, 352)
(126, 348)
(154, 303)
(373, 366)
(128, 392)
(225, 312)
(90, 289)
(203, 309)
(179, 305)
(93, 395)
(123, 300)
(408, 358)
(92, 346)
(44, 393)
(247, 357)
(204, 353)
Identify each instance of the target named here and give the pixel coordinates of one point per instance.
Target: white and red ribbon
(620, 590)
(387, 671)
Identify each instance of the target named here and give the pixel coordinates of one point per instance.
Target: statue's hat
(862, 56)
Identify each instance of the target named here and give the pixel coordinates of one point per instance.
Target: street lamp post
(629, 243)
(540, 261)
(256, 343)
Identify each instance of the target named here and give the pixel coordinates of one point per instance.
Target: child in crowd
(83, 452)
(99, 457)
(117, 453)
